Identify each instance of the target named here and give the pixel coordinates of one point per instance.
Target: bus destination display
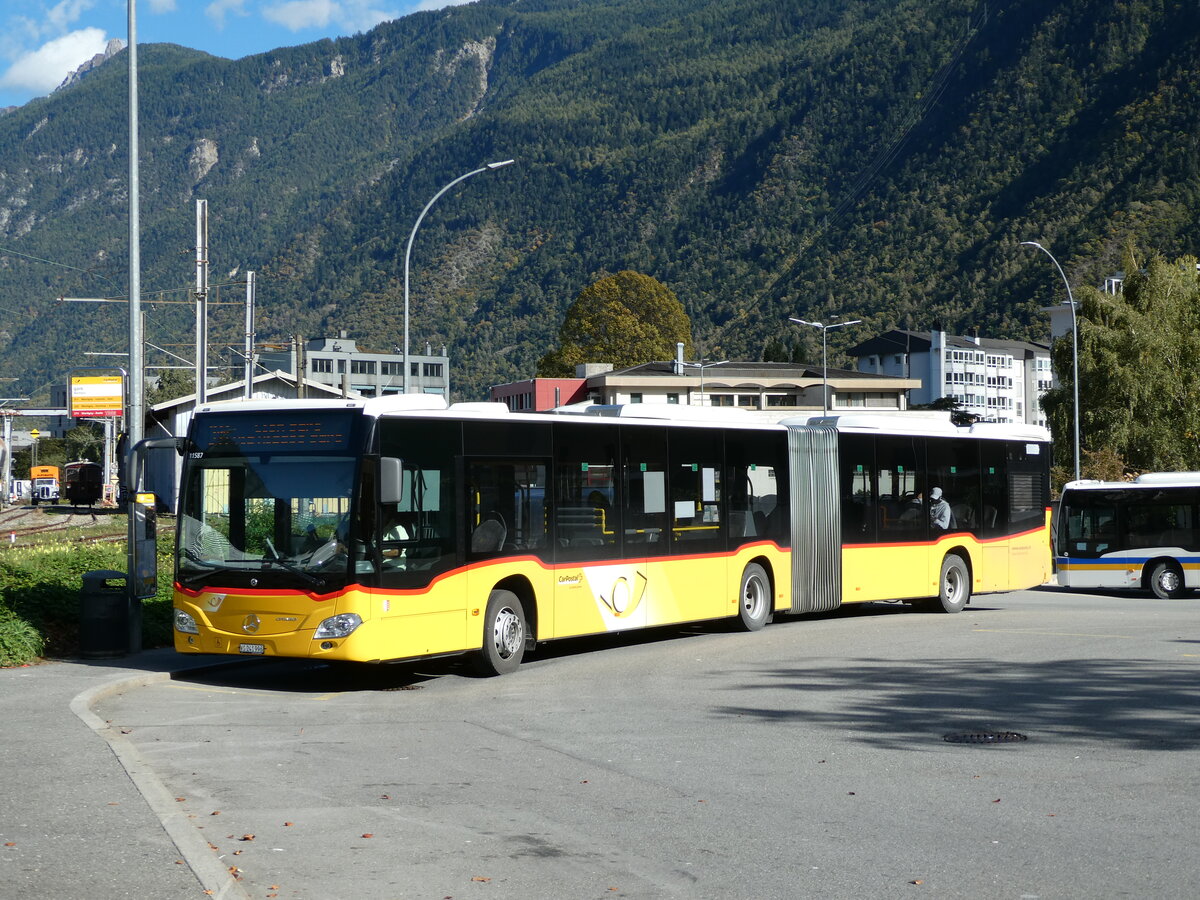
(252, 434)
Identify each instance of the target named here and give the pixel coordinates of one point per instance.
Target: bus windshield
(253, 508)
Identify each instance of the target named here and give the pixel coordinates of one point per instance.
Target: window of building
(391, 368)
(341, 367)
(748, 401)
(362, 367)
(414, 369)
(433, 370)
(720, 399)
(673, 398)
(320, 364)
(635, 398)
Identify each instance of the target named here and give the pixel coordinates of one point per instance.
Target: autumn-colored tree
(624, 319)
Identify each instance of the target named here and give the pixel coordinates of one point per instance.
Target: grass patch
(40, 585)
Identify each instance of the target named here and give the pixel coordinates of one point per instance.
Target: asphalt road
(806, 760)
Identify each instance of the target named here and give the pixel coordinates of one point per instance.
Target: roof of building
(726, 371)
(899, 340)
(235, 389)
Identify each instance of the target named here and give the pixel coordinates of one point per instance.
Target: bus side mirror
(391, 480)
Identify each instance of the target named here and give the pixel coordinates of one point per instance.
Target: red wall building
(539, 394)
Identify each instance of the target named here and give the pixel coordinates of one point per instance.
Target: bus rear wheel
(1166, 580)
(955, 585)
(503, 635)
(754, 599)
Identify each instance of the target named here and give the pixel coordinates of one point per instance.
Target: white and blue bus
(1138, 535)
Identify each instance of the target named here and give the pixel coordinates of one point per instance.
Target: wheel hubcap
(953, 586)
(507, 633)
(752, 598)
(1169, 581)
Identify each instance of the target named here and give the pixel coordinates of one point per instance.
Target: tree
(623, 319)
(172, 383)
(1139, 387)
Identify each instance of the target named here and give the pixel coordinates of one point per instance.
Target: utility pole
(249, 361)
(201, 301)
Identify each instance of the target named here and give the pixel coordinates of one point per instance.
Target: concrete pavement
(80, 812)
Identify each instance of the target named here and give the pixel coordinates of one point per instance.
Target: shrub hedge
(40, 597)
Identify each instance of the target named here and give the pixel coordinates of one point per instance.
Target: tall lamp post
(490, 167)
(702, 365)
(1074, 345)
(824, 328)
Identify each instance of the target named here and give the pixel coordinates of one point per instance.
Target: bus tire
(1166, 580)
(754, 598)
(954, 585)
(503, 635)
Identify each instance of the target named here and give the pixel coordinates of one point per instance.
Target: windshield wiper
(209, 569)
(290, 566)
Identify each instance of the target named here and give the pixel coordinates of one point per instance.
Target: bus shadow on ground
(1133, 704)
(301, 676)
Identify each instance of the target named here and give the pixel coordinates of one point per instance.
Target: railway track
(24, 525)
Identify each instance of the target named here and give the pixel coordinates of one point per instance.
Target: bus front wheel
(955, 583)
(754, 599)
(503, 635)
(1166, 581)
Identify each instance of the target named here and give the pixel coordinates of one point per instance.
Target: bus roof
(1146, 481)
(909, 422)
(922, 422)
(372, 406)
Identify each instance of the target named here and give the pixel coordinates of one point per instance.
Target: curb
(212, 874)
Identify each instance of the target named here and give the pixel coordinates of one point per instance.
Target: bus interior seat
(741, 523)
(488, 536)
(963, 514)
(989, 516)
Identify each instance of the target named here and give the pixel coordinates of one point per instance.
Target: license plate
(258, 649)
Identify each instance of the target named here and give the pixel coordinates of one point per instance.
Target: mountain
(763, 158)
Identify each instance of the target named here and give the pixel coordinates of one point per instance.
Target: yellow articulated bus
(377, 530)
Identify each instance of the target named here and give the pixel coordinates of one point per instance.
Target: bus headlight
(338, 626)
(185, 623)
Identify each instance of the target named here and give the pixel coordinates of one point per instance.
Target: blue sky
(42, 41)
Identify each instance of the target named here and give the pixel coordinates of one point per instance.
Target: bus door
(698, 582)
(506, 518)
(600, 583)
(993, 518)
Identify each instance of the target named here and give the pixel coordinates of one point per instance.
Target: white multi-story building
(998, 381)
(338, 362)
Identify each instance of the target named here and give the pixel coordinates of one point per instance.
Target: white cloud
(426, 5)
(43, 69)
(60, 16)
(218, 9)
(359, 15)
(347, 15)
(296, 15)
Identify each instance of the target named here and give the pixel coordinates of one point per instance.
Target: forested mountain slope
(762, 158)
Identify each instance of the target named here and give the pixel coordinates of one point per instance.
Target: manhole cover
(985, 737)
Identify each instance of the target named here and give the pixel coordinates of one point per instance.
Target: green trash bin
(103, 615)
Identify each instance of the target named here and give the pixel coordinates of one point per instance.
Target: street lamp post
(490, 167)
(702, 365)
(1074, 345)
(824, 328)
